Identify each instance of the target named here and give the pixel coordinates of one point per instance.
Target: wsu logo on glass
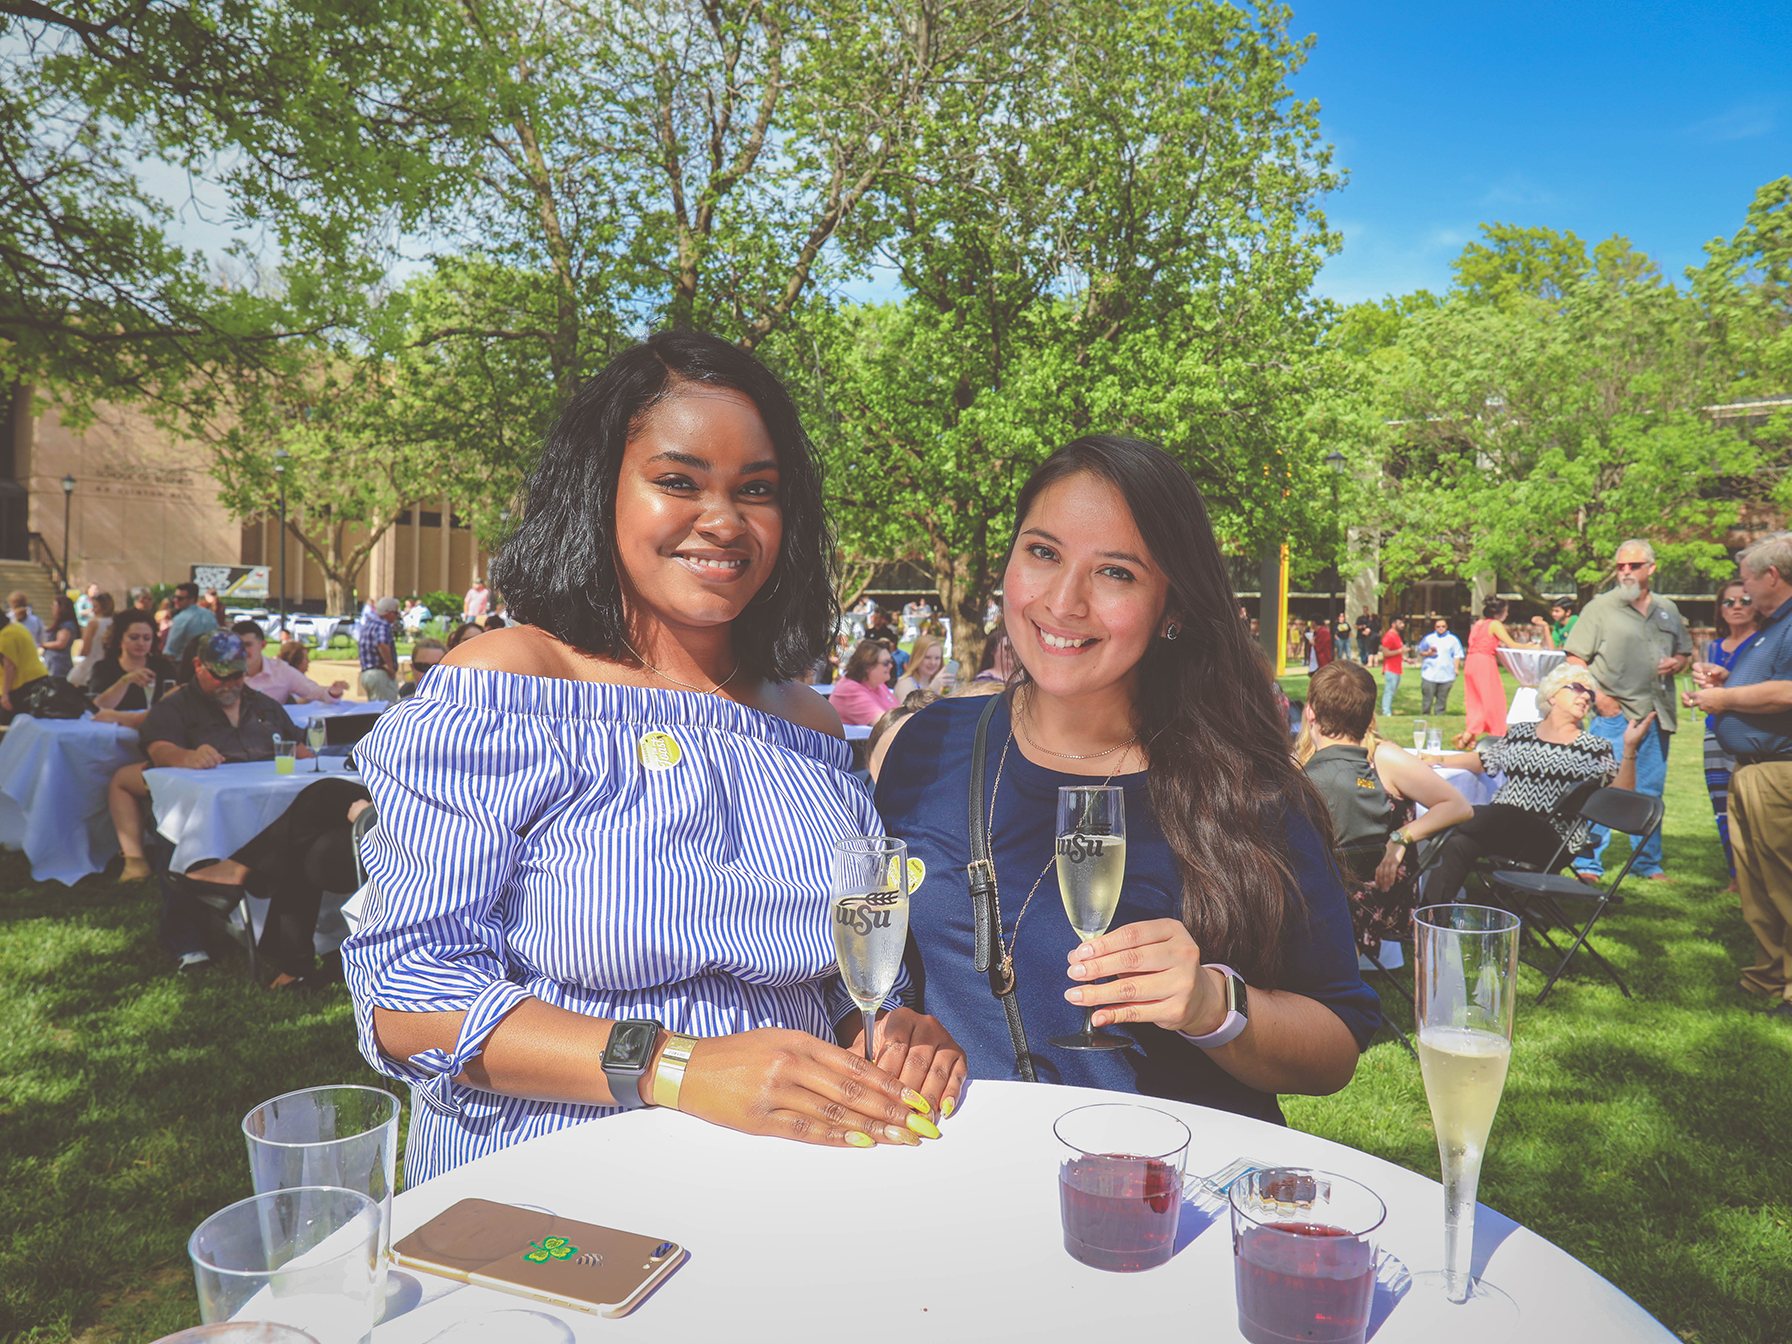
(1076, 846)
(862, 914)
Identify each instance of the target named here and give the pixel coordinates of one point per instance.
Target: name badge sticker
(659, 751)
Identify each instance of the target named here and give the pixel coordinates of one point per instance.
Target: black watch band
(626, 1057)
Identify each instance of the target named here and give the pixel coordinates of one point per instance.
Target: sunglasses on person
(1623, 565)
(1579, 689)
(1739, 602)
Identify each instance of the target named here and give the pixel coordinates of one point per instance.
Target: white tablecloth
(304, 713)
(956, 1240)
(53, 777)
(210, 814)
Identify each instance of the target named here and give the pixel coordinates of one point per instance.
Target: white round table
(302, 714)
(53, 778)
(1528, 668)
(956, 1240)
(210, 814)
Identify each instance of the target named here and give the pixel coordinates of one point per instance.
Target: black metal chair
(1357, 863)
(1543, 900)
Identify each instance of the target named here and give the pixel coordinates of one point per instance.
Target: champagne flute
(870, 921)
(1091, 871)
(1418, 734)
(316, 734)
(1466, 959)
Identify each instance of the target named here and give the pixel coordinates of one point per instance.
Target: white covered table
(1528, 667)
(53, 777)
(302, 714)
(956, 1240)
(210, 814)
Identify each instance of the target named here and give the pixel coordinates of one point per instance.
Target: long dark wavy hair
(1223, 782)
(558, 571)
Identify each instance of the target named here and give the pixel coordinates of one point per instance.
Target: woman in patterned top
(1542, 763)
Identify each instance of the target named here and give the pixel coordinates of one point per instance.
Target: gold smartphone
(540, 1255)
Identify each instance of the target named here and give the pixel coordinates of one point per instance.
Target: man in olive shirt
(1634, 642)
(1753, 705)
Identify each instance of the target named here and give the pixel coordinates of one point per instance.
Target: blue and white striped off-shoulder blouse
(616, 851)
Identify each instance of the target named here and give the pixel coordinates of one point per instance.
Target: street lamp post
(68, 498)
(280, 459)
(1335, 460)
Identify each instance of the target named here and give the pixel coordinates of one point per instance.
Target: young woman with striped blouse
(613, 822)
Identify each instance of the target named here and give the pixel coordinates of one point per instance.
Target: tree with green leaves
(1544, 412)
(1123, 242)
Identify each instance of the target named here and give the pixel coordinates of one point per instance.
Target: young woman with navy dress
(1230, 963)
(604, 834)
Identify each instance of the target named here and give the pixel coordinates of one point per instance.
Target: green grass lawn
(1645, 1136)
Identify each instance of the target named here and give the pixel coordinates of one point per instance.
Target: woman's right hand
(143, 676)
(797, 1086)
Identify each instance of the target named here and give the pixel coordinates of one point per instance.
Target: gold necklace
(1067, 756)
(674, 680)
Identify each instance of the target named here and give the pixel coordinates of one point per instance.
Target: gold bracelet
(668, 1076)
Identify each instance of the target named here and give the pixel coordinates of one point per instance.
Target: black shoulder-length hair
(558, 570)
(1223, 781)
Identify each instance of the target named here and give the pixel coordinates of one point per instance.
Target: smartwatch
(626, 1056)
(1237, 1014)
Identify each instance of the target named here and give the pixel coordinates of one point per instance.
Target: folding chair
(1358, 863)
(1568, 806)
(1543, 899)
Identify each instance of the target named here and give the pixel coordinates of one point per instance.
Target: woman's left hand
(1158, 966)
(921, 1052)
(1635, 731)
(1388, 870)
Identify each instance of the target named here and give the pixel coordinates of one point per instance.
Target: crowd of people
(603, 830)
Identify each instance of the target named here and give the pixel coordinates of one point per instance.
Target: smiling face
(931, 663)
(1081, 598)
(698, 520)
(882, 671)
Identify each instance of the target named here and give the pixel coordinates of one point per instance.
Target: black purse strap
(987, 953)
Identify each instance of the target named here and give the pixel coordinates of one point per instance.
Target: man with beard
(212, 719)
(1635, 643)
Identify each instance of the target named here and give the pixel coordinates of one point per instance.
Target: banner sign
(233, 580)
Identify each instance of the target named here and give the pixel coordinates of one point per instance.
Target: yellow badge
(917, 873)
(660, 751)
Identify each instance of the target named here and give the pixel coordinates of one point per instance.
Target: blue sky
(1650, 120)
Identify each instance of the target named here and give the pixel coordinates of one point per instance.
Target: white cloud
(1739, 123)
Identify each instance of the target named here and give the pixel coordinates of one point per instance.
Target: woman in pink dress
(863, 695)
(1481, 675)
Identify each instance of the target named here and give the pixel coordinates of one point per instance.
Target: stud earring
(1172, 630)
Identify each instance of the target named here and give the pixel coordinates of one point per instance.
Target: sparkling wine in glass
(316, 733)
(871, 885)
(1418, 734)
(1466, 959)
(1091, 871)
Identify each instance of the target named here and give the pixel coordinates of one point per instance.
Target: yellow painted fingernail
(916, 1102)
(897, 1134)
(923, 1126)
(947, 1107)
(858, 1140)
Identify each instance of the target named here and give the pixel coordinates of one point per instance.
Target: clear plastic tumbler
(345, 1136)
(306, 1258)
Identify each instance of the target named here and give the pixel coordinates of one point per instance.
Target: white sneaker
(193, 961)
